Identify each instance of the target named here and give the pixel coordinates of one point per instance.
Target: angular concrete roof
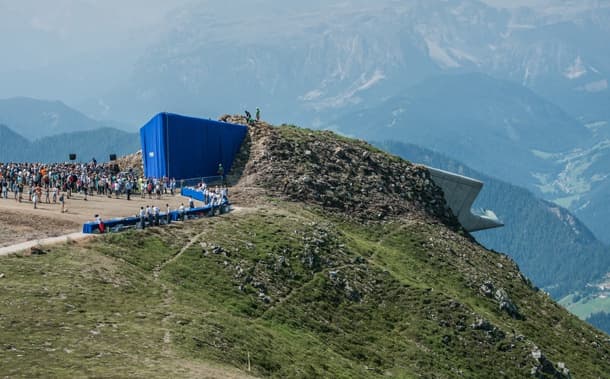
(460, 193)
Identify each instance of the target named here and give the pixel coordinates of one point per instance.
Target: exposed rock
(131, 162)
(544, 368)
(490, 330)
(487, 288)
(37, 250)
(506, 304)
(350, 177)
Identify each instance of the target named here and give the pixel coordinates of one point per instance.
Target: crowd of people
(48, 182)
(54, 183)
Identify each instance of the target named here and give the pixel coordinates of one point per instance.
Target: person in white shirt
(156, 212)
(142, 217)
(181, 212)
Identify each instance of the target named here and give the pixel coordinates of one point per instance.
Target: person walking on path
(4, 189)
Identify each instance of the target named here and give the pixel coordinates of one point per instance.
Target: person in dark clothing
(258, 114)
(248, 116)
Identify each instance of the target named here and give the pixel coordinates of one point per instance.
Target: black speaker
(72, 157)
(113, 157)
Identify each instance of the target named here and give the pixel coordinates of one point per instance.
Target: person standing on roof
(258, 114)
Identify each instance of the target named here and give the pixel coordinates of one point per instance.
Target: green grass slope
(299, 293)
(292, 285)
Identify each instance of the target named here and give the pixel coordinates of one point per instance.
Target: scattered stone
(487, 288)
(506, 304)
(217, 250)
(1, 275)
(264, 298)
(490, 330)
(36, 250)
(348, 177)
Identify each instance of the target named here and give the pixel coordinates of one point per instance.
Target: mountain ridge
(96, 143)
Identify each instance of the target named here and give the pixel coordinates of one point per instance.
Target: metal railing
(210, 181)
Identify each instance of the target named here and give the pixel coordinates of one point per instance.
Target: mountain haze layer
(35, 119)
(502, 129)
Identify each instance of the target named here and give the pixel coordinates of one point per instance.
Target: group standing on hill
(249, 118)
(48, 182)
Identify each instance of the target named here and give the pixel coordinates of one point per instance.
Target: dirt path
(6, 250)
(168, 294)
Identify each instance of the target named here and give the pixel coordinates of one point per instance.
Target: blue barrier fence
(118, 224)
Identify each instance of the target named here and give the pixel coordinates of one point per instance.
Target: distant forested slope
(98, 143)
(549, 243)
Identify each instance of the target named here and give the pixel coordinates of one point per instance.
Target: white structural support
(460, 193)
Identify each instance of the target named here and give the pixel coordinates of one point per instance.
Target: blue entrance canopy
(184, 147)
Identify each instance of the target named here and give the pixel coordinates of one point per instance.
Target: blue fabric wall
(154, 146)
(187, 147)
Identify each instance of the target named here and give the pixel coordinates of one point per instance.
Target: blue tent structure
(184, 147)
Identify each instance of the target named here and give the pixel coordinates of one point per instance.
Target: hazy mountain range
(502, 129)
(36, 130)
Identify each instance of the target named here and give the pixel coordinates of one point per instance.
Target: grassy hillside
(291, 285)
(302, 294)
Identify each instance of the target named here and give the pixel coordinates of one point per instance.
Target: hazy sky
(65, 49)
(46, 31)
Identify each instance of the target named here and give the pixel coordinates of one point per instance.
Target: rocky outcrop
(131, 162)
(346, 176)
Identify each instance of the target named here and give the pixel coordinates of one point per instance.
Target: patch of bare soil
(16, 227)
(20, 222)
